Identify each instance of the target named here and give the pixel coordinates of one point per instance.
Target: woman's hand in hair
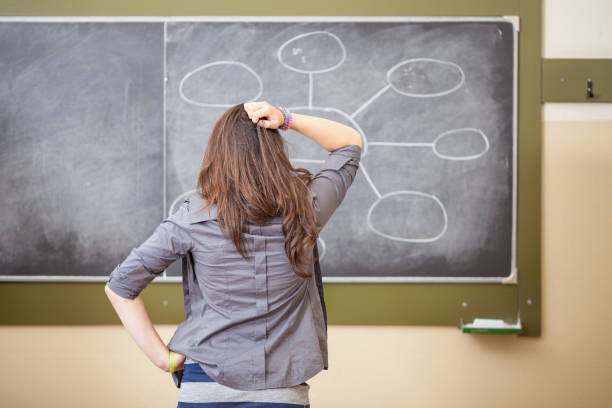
(263, 114)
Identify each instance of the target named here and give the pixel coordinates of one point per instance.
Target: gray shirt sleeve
(330, 184)
(170, 241)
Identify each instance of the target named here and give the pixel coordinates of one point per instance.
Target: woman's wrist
(287, 118)
(163, 360)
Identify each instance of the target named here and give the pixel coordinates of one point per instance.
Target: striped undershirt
(199, 390)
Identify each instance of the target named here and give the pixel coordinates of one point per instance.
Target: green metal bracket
(567, 80)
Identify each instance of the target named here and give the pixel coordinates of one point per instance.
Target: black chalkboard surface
(433, 101)
(80, 145)
(88, 136)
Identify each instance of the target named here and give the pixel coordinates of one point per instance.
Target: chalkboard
(80, 145)
(434, 99)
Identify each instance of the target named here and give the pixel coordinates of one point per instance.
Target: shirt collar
(195, 203)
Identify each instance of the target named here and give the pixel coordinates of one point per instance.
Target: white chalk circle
(312, 53)
(226, 78)
(425, 77)
(457, 134)
(393, 218)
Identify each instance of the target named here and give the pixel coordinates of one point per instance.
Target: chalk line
(402, 239)
(369, 101)
(367, 176)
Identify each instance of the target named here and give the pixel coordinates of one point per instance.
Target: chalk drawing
(408, 239)
(311, 71)
(437, 139)
(220, 105)
(410, 72)
(412, 94)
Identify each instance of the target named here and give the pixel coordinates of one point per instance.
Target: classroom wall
(570, 365)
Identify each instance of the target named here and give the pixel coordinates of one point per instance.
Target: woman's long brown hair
(247, 175)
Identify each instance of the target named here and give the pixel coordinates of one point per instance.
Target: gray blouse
(251, 324)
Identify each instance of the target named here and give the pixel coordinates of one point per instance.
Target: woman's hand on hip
(179, 361)
(263, 114)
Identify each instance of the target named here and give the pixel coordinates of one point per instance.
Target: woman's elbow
(110, 293)
(357, 139)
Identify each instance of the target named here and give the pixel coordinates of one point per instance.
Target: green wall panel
(565, 80)
(370, 304)
(250, 8)
(529, 167)
(352, 304)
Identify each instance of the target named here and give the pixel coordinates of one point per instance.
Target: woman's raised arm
(328, 134)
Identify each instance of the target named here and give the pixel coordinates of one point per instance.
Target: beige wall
(577, 29)
(570, 365)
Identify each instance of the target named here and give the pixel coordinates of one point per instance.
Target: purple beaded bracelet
(288, 118)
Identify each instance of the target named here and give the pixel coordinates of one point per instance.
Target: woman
(255, 328)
